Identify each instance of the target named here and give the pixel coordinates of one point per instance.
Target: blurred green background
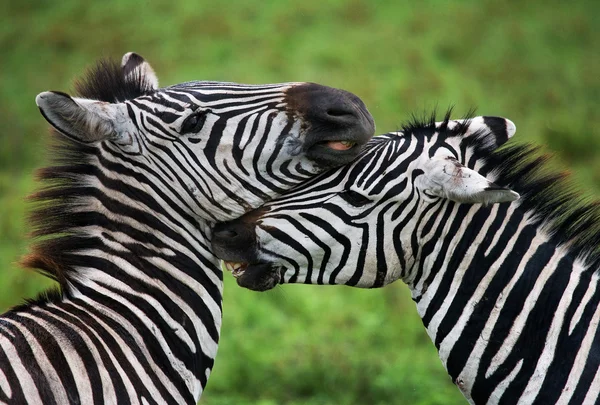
(535, 62)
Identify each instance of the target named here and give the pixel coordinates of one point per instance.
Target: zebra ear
(445, 177)
(136, 68)
(486, 133)
(82, 120)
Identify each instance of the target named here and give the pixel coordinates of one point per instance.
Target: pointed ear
(135, 67)
(82, 120)
(445, 177)
(486, 133)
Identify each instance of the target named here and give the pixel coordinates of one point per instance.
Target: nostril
(338, 112)
(226, 234)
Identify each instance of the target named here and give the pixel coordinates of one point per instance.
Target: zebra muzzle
(341, 145)
(236, 269)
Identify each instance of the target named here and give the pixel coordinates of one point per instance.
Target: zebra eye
(354, 198)
(194, 122)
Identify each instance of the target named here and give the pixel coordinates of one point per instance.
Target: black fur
(106, 81)
(428, 120)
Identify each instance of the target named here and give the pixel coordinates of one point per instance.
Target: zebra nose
(225, 234)
(332, 107)
(234, 241)
(230, 233)
(338, 122)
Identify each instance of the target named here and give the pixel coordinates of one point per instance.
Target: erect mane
(571, 217)
(428, 121)
(54, 224)
(105, 81)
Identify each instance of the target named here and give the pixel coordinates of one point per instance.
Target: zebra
(506, 287)
(124, 225)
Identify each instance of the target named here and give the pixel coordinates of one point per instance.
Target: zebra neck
(494, 291)
(163, 282)
(136, 270)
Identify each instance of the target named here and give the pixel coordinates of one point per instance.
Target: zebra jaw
(236, 269)
(341, 145)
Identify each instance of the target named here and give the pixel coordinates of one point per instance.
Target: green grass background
(535, 62)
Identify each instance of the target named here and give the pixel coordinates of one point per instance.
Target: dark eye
(194, 123)
(354, 198)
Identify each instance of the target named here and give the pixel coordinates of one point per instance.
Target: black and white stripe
(125, 223)
(508, 292)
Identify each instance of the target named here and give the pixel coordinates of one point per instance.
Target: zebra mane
(52, 218)
(106, 81)
(572, 217)
(54, 223)
(427, 120)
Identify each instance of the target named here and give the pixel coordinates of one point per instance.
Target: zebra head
(357, 225)
(215, 149)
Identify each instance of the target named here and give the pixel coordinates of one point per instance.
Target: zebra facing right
(509, 292)
(124, 225)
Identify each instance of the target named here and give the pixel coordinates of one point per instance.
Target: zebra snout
(226, 234)
(337, 122)
(234, 241)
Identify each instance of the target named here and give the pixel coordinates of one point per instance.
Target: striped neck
(144, 269)
(501, 299)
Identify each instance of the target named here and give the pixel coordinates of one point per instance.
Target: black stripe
(17, 394)
(85, 323)
(26, 356)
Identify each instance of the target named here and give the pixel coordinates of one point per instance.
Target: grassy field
(535, 62)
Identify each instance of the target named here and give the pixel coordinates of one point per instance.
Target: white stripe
(584, 301)
(592, 394)
(582, 354)
(464, 265)
(539, 375)
(4, 385)
(30, 391)
(50, 373)
(108, 389)
(209, 346)
(470, 369)
(139, 341)
(131, 392)
(500, 388)
(82, 381)
(521, 319)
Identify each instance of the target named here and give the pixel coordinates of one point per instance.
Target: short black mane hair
(424, 121)
(106, 81)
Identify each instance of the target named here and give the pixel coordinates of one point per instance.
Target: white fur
(445, 177)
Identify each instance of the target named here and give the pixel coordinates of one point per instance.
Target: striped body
(507, 291)
(125, 226)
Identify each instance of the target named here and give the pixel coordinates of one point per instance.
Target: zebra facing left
(124, 225)
(507, 288)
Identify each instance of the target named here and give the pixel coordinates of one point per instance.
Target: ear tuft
(487, 133)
